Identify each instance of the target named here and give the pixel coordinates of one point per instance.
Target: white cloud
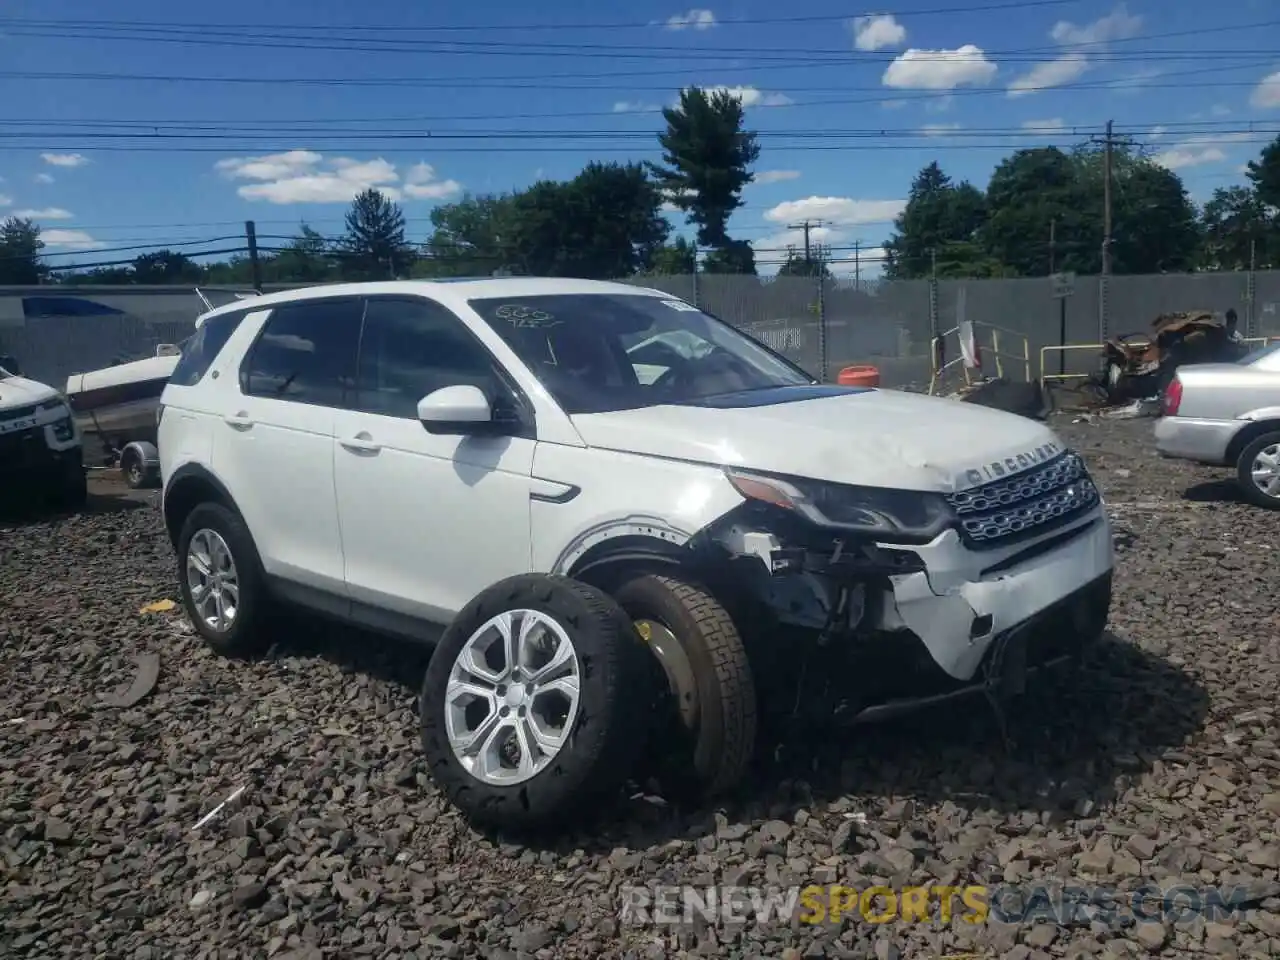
(775, 176)
(304, 176)
(939, 129)
(76, 239)
(695, 19)
(1118, 25)
(64, 159)
(1266, 95)
(940, 69)
(878, 32)
(421, 183)
(634, 106)
(838, 211)
(1189, 155)
(751, 97)
(1157, 132)
(1052, 124)
(48, 213)
(1052, 73)
(5, 200)
(44, 178)
(669, 207)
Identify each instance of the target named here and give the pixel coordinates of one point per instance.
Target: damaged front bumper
(962, 601)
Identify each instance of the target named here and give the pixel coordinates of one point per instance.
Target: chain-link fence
(822, 325)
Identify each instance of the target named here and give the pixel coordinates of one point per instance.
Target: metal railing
(937, 371)
(1097, 348)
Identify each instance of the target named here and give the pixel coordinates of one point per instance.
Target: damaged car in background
(620, 521)
(1138, 366)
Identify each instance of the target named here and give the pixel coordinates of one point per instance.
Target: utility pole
(806, 226)
(255, 265)
(857, 265)
(1053, 244)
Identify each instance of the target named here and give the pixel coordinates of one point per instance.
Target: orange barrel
(861, 375)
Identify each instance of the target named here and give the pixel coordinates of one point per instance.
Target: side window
(202, 347)
(306, 353)
(411, 347)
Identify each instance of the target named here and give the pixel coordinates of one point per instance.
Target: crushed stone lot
(1157, 765)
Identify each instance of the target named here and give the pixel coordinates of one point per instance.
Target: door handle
(240, 421)
(361, 443)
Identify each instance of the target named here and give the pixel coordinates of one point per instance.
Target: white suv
(596, 498)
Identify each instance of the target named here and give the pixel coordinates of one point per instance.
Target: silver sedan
(1228, 414)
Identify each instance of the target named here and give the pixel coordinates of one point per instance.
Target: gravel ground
(1158, 764)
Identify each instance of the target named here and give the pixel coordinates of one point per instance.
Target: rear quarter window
(199, 352)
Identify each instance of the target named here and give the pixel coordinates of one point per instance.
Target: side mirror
(459, 409)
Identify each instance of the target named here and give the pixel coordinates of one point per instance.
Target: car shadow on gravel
(1076, 740)
(96, 505)
(1214, 491)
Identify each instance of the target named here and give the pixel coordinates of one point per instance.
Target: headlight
(887, 514)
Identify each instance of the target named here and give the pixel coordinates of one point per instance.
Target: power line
(489, 27)
(577, 51)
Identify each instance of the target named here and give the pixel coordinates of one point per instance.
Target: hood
(21, 392)
(879, 438)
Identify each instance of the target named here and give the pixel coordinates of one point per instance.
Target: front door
(428, 521)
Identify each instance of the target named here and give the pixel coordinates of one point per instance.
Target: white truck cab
(610, 510)
(40, 444)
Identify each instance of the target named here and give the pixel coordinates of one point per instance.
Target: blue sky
(111, 136)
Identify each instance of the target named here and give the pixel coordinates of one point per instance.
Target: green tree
(469, 237)
(1237, 230)
(165, 266)
(604, 223)
(1155, 226)
(814, 265)
(941, 219)
(707, 158)
(374, 239)
(1264, 174)
(306, 259)
(736, 256)
(20, 247)
(1034, 194)
(675, 258)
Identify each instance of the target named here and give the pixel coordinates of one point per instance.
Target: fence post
(1251, 292)
(1104, 313)
(696, 301)
(935, 346)
(822, 329)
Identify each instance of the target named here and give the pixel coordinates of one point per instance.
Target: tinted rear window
(200, 350)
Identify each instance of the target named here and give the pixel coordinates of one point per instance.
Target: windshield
(1253, 356)
(601, 351)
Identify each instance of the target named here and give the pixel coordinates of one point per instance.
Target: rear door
(274, 444)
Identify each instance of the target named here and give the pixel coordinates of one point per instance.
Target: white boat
(115, 408)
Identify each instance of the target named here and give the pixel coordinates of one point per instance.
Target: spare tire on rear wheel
(533, 703)
(711, 733)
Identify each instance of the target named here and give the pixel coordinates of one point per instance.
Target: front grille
(1028, 504)
(21, 447)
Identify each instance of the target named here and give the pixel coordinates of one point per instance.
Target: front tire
(716, 739)
(532, 707)
(221, 581)
(1258, 471)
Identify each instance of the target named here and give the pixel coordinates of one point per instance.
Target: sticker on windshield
(521, 316)
(680, 305)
